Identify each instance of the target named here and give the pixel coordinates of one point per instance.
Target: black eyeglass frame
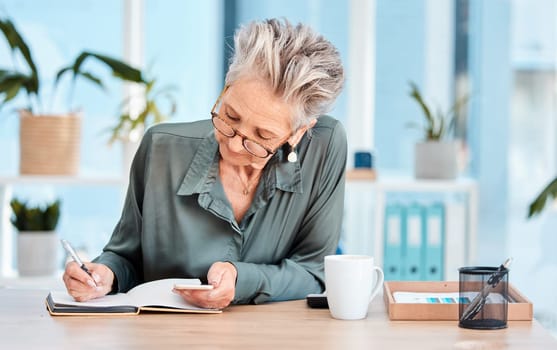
(236, 132)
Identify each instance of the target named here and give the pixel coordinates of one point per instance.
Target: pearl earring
(292, 156)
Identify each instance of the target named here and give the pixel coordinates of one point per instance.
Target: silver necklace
(247, 186)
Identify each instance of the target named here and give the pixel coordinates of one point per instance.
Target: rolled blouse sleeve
(122, 254)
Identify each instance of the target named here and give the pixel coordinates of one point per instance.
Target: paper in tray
(520, 309)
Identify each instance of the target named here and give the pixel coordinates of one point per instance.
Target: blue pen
(67, 246)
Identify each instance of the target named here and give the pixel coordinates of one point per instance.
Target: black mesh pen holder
(484, 295)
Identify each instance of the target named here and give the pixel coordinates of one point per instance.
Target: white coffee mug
(350, 285)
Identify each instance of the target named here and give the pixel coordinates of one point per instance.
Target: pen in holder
(484, 296)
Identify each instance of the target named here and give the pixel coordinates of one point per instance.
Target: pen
(477, 304)
(67, 246)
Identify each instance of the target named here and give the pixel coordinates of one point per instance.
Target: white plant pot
(436, 160)
(37, 253)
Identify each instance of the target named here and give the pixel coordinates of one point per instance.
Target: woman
(250, 201)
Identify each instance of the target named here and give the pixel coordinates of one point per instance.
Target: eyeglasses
(253, 147)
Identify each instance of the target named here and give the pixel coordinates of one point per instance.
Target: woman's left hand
(222, 275)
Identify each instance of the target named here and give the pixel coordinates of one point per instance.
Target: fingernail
(91, 284)
(96, 277)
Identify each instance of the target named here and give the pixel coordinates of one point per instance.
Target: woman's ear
(297, 136)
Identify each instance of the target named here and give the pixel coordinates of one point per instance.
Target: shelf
(408, 183)
(411, 185)
(61, 180)
(361, 174)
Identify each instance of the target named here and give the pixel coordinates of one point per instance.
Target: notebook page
(119, 299)
(151, 293)
(159, 293)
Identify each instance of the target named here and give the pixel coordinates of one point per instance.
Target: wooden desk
(25, 324)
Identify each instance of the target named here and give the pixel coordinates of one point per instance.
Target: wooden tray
(521, 309)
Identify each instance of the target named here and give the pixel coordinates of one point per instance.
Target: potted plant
(37, 241)
(132, 122)
(49, 143)
(436, 156)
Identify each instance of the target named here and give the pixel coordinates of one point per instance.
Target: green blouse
(177, 221)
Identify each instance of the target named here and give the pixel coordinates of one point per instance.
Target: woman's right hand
(82, 286)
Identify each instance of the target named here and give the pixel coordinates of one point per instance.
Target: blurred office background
(503, 53)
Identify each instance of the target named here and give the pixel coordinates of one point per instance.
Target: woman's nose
(236, 143)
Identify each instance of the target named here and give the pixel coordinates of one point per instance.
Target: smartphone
(193, 286)
(317, 301)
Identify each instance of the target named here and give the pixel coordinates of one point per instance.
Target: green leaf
(116, 131)
(441, 129)
(12, 92)
(548, 193)
(18, 218)
(150, 114)
(149, 86)
(51, 216)
(32, 85)
(34, 218)
(11, 84)
(118, 68)
(416, 95)
(9, 79)
(454, 112)
(142, 117)
(60, 73)
(439, 124)
(95, 80)
(17, 43)
(158, 116)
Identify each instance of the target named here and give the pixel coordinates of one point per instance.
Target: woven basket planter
(49, 144)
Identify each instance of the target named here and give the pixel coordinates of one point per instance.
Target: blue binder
(434, 242)
(413, 244)
(393, 239)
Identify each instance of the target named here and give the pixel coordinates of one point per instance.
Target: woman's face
(250, 107)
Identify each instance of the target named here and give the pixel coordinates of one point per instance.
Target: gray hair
(300, 65)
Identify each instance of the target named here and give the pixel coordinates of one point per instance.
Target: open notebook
(151, 296)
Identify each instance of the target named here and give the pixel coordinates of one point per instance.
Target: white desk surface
(25, 324)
